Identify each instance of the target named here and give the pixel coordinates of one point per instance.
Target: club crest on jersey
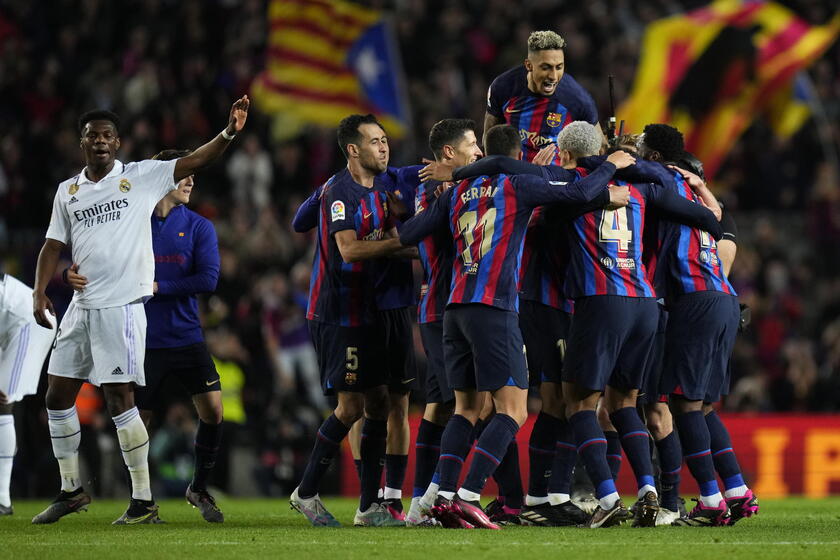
(125, 186)
(554, 119)
(337, 211)
(74, 188)
(350, 378)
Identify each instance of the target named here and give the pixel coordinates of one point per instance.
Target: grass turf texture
(791, 528)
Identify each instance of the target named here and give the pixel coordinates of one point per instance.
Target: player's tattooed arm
(355, 250)
(47, 263)
(204, 155)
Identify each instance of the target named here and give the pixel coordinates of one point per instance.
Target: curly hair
(545, 41)
(666, 140)
(580, 138)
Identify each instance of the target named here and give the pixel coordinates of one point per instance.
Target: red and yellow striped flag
(327, 59)
(711, 71)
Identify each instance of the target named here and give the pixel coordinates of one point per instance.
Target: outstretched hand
(619, 196)
(694, 180)
(238, 115)
(546, 155)
(621, 159)
(436, 171)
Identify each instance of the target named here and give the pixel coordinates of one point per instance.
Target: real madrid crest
(74, 188)
(125, 186)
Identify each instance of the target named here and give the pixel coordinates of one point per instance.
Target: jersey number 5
(471, 226)
(613, 229)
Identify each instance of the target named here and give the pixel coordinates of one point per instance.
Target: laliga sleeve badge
(125, 186)
(337, 211)
(74, 188)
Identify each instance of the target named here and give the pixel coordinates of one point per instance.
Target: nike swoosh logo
(405, 381)
(209, 383)
(368, 215)
(509, 110)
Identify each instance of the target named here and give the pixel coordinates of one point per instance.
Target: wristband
(227, 136)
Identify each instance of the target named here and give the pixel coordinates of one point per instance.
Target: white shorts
(22, 359)
(101, 345)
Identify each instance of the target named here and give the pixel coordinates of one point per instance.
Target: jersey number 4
(613, 229)
(473, 227)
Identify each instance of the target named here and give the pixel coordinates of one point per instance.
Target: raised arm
(684, 211)
(44, 270)
(207, 153)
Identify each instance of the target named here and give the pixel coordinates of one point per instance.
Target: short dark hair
(690, 162)
(167, 155)
(666, 140)
(448, 131)
(502, 140)
(348, 130)
(99, 115)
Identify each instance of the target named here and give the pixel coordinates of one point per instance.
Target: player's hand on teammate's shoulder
(621, 159)
(74, 279)
(619, 196)
(694, 180)
(238, 115)
(397, 206)
(546, 155)
(436, 171)
(40, 304)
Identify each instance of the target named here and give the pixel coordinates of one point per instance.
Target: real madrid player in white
(103, 213)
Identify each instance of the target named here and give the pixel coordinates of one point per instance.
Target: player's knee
(659, 425)
(212, 415)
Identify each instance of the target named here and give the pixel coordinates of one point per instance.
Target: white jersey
(15, 307)
(109, 228)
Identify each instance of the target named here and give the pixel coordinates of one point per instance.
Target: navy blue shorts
(397, 332)
(544, 330)
(350, 358)
(650, 392)
(437, 387)
(483, 348)
(702, 328)
(610, 341)
(190, 365)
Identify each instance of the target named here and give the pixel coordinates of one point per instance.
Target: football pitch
(790, 528)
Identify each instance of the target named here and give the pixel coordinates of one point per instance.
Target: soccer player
(103, 212)
(355, 227)
(186, 263)
(487, 218)
(452, 141)
(700, 336)
(538, 98)
(24, 346)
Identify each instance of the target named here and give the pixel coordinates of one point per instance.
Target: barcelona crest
(554, 119)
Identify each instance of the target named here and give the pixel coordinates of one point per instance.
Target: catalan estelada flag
(327, 59)
(711, 71)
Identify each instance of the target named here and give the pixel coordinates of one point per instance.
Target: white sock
(645, 489)
(447, 495)
(557, 499)
(65, 434)
(468, 495)
(535, 500)
(392, 493)
(7, 455)
(134, 443)
(736, 492)
(430, 494)
(711, 501)
(608, 501)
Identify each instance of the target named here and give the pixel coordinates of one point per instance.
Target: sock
(613, 452)
(694, 435)
(479, 427)
(492, 446)
(134, 443)
(432, 490)
(509, 477)
(372, 451)
(541, 449)
(358, 464)
(726, 463)
(670, 462)
(635, 440)
(395, 466)
(207, 441)
(7, 456)
(468, 495)
(455, 443)
(65, 434)
(426, 454)
(565, 458)
(592, 447)
(327, 441)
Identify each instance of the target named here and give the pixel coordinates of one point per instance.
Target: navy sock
(726, 463)
(372, 450)
(327, 442)
(479, 428)
(592, 447)
(670, 462)
(489, 450)
(565, 457)
(635, 440)
(395, 466)
(509, 477)
(613, 452)
(541, 449)
(454, 445)
(358, 464)
(694, 435)
(207, 441)
(426, 454)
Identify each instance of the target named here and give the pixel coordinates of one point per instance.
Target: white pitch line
(450, 543)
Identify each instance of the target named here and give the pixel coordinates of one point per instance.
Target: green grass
(791, 528)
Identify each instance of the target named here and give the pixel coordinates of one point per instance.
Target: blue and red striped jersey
(488, 218)
(538, 118)
(690, 260)
(344, 293)
(436, 254)
(545, 256)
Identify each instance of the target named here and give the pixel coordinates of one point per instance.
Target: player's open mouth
(549, 86)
